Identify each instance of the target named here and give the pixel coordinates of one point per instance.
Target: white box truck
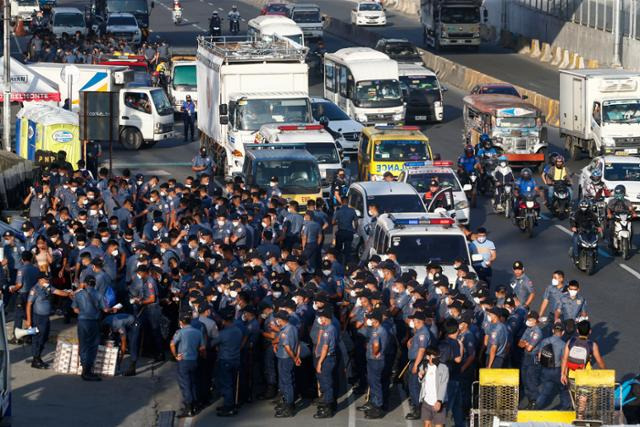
(243, 84)
(600, 111)
(146, 115)
(182, 80)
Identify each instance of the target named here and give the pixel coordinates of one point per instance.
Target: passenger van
(365, 83)
(67, 20)
(265, 27)
(308, 17)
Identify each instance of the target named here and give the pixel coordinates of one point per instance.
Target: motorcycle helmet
(526, 173)
(468, 150)
(552, 158)
(596, 176)
(559, 159)
(619, 192)
(584, 205)
(234, 7)
(503, 161)
(485, 140)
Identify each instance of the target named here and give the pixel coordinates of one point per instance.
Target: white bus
(365, 84)
(265, 27)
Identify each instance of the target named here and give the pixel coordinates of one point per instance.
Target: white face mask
(482, 239)
(358, 302)
(412, 325)
(352, 293)
(315, 306)
(46, 284)
(163, 193)
(277, 294)
(202, 242)
(531, 323)
(233, 294)
(113, 227)
(162, 250)
(221, 223)
(264, 224)
(93, 212)
(573, 293)
(438, 291)
(476, 300)
(430, 276)
(263, 316)
(239, 307)
(153, 199)
(155, 228)
(104, 239)
(319, 321)
(82, 221)
(384, 257)
(287, 268)
(369, 322)
(371, 266)
(114, 253)
(326, 272)
(273, 184)
(236, 223)
(554, 282)
(81, 246)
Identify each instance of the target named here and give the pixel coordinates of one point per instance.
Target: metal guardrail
(247, 49)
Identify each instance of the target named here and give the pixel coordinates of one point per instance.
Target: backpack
(623, 394)
(109, 297)
(547, 357)
(579, 353)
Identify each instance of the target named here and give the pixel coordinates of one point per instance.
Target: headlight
(157, 127)
(398, 117)
(462, 204)
(377, 178)
(607, 140)
(362, 118)
(476, 34)
(443, 33)
(529, 204)
(437, 104)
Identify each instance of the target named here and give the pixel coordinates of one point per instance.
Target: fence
(597, 14)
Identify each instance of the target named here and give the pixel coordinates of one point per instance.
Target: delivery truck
(450, 23)
(182, 80)
(600, 112)
(145, 113)
(244, 83)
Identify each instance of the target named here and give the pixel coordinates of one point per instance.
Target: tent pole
(6, 109)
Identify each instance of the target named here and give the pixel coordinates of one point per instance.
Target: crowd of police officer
(255, 301)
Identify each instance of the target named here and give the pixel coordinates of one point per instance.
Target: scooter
(527, 217)
(561, 202)
(177, 16)
(587, 257)
(621, 235)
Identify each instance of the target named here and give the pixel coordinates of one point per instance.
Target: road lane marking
(351, 400)
(210, 4)
(405, 403)
(220, 9)
(149, 164)
(630, 270)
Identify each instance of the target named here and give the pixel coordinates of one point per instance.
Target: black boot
(270, 392)
(131, 370)
(414, 414)
(227, 412)
(87, 375)
(324, 411)
(374, 413)
(185, 412)
(37, 363)
(285, 412)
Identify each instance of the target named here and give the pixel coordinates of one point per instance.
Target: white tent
(27, 85)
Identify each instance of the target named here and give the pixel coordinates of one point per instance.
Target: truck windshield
(184, 76)
(400, 151)
(421, 181)
(68, 20)
(131, 6)
(516, 122)
(326, 153)
(460, 15)
(397, 203)
(378, 94)
(622, 111)
(294, 177)
(161, 102)
(417, 250)
(306, 16)
(420, 83)
(128, 21)
(28, 3)
(622, 171)
(254, 113)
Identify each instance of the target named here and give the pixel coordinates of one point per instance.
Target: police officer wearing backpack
(550, 355)
(578, 352)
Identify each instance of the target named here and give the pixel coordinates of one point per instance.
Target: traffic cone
(19, 30)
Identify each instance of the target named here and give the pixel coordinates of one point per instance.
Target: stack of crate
(67, 359)
(106, 361)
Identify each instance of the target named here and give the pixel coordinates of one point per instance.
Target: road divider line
(351, 399)
(630, 270)
(405, 403)
(149, 164)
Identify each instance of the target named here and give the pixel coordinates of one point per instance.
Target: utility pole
(616, 33)
(6, 105)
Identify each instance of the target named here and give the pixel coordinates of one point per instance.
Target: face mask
(233, 294)
(93, 212)
(384, 257)
(162, 250)
(113, 227)
(412, 325)
(319, 321)
(82, 221)
(104, 239)
(236, 223)
(482, 239)
(221, 223)
(370, 213)
(277, 294)
(81, 246)
(46, 284)
(554, 282)
(476, 300)
(163, 193)
(114, 253)
(74, 189)
(287, 268)
(371, 266)
(572, 293)
(352, 293)
(128, 240)
(530, 323)
(155, 228)
(153, 199)
(438, 291)
(369, 322)
(358, 302)
(326, 272)
(139, 182)
(264, 224)
(263, 316)
(273, 184)
(503, 165)
(430, 276)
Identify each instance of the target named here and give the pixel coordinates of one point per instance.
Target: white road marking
(405, 403)
(351, 399)
(188, 422)
(243, 20)
(565, 230)
(220, 9)
(630, 270)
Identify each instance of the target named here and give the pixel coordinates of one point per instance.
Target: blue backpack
(109, 297)
(623, 392)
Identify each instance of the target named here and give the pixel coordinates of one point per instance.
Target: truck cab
(182, 81)
(450, 23)
(308, 18)
(146, 116)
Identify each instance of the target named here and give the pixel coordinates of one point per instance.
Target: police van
(454, 197)
(313, 138)
(418, 239)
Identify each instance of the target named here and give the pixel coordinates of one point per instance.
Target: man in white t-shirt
(433, 394)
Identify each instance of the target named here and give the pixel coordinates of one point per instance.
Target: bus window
(329, 72)
(342, 81)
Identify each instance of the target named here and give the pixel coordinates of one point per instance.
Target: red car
(275, 9)
(497, 89)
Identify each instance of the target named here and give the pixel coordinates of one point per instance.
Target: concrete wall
(586, 42)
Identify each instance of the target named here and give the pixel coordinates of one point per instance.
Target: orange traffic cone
(19, 30)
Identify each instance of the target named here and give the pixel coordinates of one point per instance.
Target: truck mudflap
(525, 158)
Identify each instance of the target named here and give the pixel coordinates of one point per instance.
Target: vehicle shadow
(606, 340)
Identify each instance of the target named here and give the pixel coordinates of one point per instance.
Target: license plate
(421, 117)
(631, 150)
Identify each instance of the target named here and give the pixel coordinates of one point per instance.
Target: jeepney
(515, 127)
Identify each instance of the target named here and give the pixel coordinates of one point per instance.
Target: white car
(339, 121)
(368, 13)
(123, 26)
(67, 20)
(616, 170)
(420, 177)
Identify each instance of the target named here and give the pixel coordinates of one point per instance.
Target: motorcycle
(234, 25)
(587, 257)
(561, 202)
(486, 183)
(471, 189)
(502, 199)
(215, 30)
(527, 217)
(621, 235)
(177, 16)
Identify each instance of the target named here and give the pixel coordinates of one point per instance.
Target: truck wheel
(131, 139)
(593, 150)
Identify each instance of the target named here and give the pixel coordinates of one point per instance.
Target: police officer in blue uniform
(324, 354)
(376, 347)
(26, 278)
(229, 342)
(288, 358)
(417, 348)
(497, 340)
(530, 343)
(38, 312)
(550, 369)
(187, 344)
(88, 304)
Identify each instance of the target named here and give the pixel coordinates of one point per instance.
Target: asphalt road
(612, 293)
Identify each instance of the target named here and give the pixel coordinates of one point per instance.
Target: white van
(67, 20)
(365, 83)
(308, 17)
(267, 26)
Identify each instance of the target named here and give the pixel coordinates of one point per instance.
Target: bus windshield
(400, 151)
(516, 122)
(294, 176)
(378, 93)
(441, 249)
(131, 6)
(252, 114)
(460, 15)
(184, 76)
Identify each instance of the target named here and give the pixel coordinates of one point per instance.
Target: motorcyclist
(595, 188)
(440, 199)
(215, 24)
(468, 160)
(558, 172)
(486, 147)
(176, 13)
(502, 174)
(582, 219)
(234, 16)
(525, 185)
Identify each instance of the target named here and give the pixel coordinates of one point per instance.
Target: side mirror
(485, 15)
(476, 258)
(324, 18)
(223, 110)
(358, 213)
(444, 88)
(467, 187)
(354, 10)
(224, 120)
(525, 96)
(367, 229)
